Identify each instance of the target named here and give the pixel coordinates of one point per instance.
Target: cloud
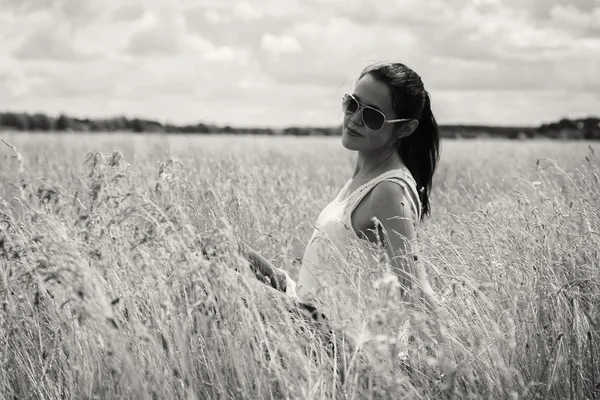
(226, 24)
(230, 60)
(26, 6)
(542, 10)
(90, 85)
(280, 44)
(164, 33)
(80, 12)
(128, 12)
(575, 20)
(18, 85)
(512, 107)
(511, 75)
(72, 12)
(392, 12)
(156, 34)
(245, 11)
(50, 43)
(334, 50)
(495, 32)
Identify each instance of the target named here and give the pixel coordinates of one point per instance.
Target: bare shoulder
(389, 199)
(386, 202)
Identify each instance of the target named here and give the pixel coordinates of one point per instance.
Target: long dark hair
(419, 151)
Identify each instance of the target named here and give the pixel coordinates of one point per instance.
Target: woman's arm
(395, 219)
(277, 277)
(398, 234)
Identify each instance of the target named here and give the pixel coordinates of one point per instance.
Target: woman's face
(355, 134)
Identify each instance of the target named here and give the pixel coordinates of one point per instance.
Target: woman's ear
(407, 128)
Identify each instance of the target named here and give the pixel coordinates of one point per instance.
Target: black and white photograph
(300, 199)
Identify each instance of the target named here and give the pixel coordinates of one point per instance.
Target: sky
(276, 63)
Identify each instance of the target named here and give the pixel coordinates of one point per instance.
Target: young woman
(389, 123)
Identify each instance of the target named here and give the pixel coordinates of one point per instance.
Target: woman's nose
(357, 118)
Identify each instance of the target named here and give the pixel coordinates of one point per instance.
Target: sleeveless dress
(339, 270)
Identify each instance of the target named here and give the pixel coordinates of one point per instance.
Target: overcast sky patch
(273, 63)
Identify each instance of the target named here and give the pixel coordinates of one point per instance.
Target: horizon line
(165, 122)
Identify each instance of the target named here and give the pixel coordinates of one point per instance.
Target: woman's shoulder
(389, 198)
(388, 194)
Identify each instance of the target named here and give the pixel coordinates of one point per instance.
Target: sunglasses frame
(362, 115)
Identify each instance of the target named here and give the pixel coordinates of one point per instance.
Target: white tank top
(338, 268)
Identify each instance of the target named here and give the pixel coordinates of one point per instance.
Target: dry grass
(105, 292)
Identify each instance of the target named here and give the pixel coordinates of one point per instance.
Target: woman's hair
(419, 151)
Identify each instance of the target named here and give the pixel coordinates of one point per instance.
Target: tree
(17, 121)
(40, 122)
(63, 123)
(137, 125)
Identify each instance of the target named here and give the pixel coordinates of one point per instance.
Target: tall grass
(106, 293)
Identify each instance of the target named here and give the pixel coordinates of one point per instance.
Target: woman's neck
(373, 163)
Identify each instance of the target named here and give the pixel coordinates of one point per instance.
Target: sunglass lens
(349, 105)
(373, 119)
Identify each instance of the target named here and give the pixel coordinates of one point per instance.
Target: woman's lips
(353, 132)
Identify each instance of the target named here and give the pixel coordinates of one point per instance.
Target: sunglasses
(372, 118)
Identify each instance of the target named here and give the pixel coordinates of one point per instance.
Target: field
(105, 291)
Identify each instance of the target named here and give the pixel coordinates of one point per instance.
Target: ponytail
(420, 153)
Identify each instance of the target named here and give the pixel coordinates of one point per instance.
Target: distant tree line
(583, 128)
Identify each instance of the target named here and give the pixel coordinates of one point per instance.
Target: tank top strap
(401, 176)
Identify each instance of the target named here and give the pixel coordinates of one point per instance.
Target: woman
(388, 121)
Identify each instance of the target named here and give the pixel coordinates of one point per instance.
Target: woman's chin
(349, 141)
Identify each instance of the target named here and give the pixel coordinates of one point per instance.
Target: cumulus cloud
(16, 85)
(280, 44)
(247, 33)
(128, 12)
(81, 12)
(335, 49)
(575, 20)
(50, 43)
(164, 33)
(157, 34)
(26, 6)
(71, 12)
(246, 11)
(393, 12)
(542, 10)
